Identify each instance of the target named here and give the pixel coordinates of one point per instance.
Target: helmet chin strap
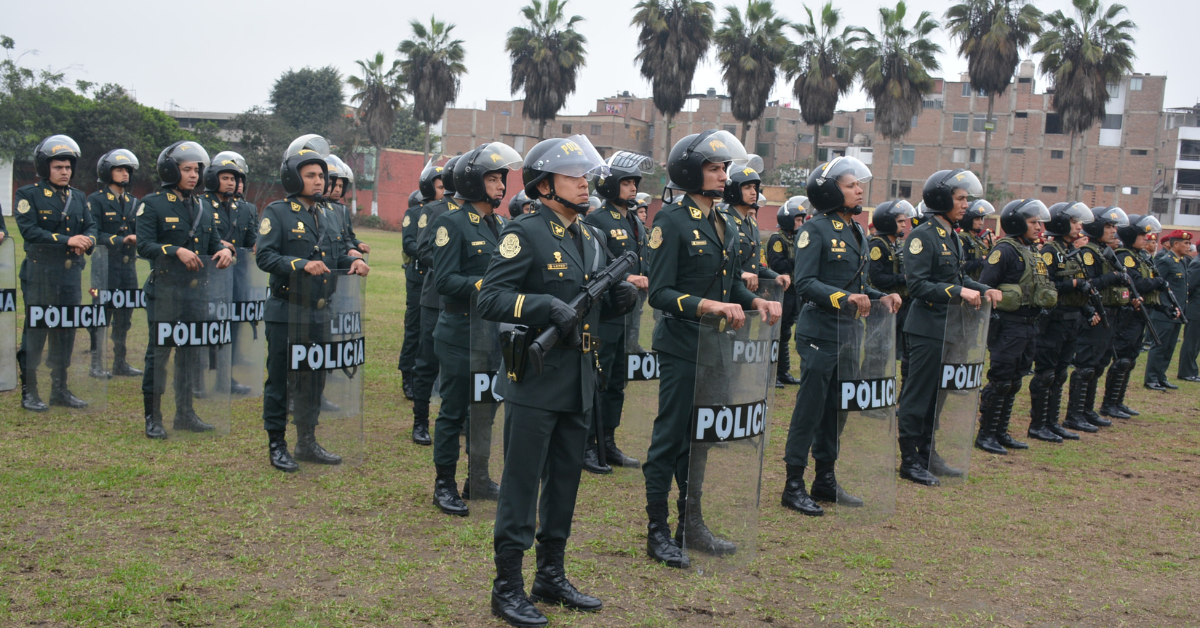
(495, 202)
(712, 193)
(622, 202)
(579, 208)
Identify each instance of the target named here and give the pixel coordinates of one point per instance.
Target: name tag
(699, 242)
(562, 266)
(171, 219)
(479, 243)
(110, 213)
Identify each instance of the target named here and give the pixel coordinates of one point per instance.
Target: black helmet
(733, 185)
(1014, 216)
(224, 161)
(572, 157)
(430, 174)
(304, 150)
(414, 199)
(887, 216)
(1138, 225)
(52, 148)
(118, 158)
(621, 166)
(1061, 216)
(180, 153)
(594, 203)
(448, 181)
(792, 213)
(1102, 217)
(939, 189)
(977, 209)
(516, 204)
(685, 165)
(823, 191)
(475, 165)
(643, 200)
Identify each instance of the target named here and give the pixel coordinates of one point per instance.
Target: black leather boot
(794, 495)
(787, 378)
(445, 492)
(491, 490)
(991, 404)
(937, 465)
(1112, 397)
(97, 369)
(694, 534)
(329, 406)
(1039, 397)
(60, 395)
(154, 426)
(1002, 436)
(308, 450)
(280, 458)
(1053, 405)
(186, 419)
(912, 466)
(238, 389)
(550, 585)
(826, 489)
(420, 430)
(591, 459)
(659, 544)
(406, 384)
(1125, 387)
(1078, 403)
(121, 368)
(29, 395)
(614, 456)
(508, 593)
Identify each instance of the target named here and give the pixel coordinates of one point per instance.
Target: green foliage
(546, 54)
(264, 137)
(309, 100)
(750, 49)
(409, 134)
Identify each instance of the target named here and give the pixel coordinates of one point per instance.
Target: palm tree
(379, 94)
(822, 66)
(991, 34)
(432, 65)
(895, 68)
(546, 58)
(673, 35)
(1082, 57)
(750, 52)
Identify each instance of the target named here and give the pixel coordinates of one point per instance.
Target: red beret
(1152, 237)
(1178, 234)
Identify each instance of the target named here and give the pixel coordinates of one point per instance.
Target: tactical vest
(1033, 289)
(1112, 296)
(789, 246)
(897, 252)
(1147, 271)
(1069, 267)
(973, 249)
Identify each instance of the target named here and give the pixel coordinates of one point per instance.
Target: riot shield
(249, 335)
(771, 291)
(964, 351)
(192, 342)
(641, 382)
(326, 354)
(8, 314)
(866, 395)
(728, 435)
(485, 425)
(59, 312)
(125, 301)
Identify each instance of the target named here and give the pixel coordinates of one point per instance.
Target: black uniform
(975, 252)
(1129, 327)
(1174, 270)
(1191, 332)
(414, 280)
(114, 218)
(781, 258)
(886, 272)
(1093, 350)
(1056, 340)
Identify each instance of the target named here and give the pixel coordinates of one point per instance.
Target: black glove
(563, 316)
(624, 298)
(1085, 286)
(1159, 283)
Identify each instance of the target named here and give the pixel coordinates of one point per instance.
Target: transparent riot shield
(867, 395)
(326, 355)
(249, 333)
(771, 291)
(728, 435)
(641, 370)
(61, 308)
(125, 302)
(964, 352)
(8, 314)
(192, 339)
(485, 425)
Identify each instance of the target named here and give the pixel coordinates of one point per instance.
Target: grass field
(101, 527)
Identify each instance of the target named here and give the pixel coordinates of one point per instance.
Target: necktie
(490, 219)
(577, 236)
(633, 227)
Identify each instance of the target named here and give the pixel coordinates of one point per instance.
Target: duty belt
(1025, 320)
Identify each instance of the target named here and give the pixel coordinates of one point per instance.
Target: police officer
(1016, 269)
(643, 214)
(429, 189)
(886, 268)
(518, 203)
(742, 191)
(831, 279)
(781, 258)
(463, 245)
(932, 268)
(112, 210)
(544, 259)
(977, 241)
(341, 179)
(51, 212)
(690, 276)
(174, 223)
(1172, 267)
(1190, 348)
(315, 246)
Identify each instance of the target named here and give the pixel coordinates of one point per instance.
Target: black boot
(329, 406)
(614, 456)
(97, 369)
(912, 467)
(591, 459)
(1002, 436)
(154, 426)
(186, 420)
(238, 389)
(29, 395)
(659, 545)
(1053, 403)
(1039, 395)
(826, 489)
(445, 492)
(937, 465)
(550, 585)
(508, 593)
(787, 378)
(60, 395)
(991, 404)
(406, 384)
(693, 531)
(121, 368)
(280, 458)
(420, 429)
(794, 495)
(1078, 402)
(308, 450)
(1112, 397)
(491, 490)
(1125, 387)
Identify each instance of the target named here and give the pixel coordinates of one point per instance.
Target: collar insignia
(837, 224)
(696, 215)
(558, 230)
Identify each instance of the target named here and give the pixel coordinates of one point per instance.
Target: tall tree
(895, 67)
(379, 94)
(991, 35)
(1082, 56)
(750, 50)
(822, 68)
(309, 99)
(673, 35)
(546, 57)
(432, 64)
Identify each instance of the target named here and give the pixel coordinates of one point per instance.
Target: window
(904, 155)
(825, 130)
(1139, 152)
(1053, 124)
(596, 129)
(1132, 191)
(1056, 154)
(960, 123)
(1110, 189)
(913, 123)
(1111, 121)
(769, 125)
(1021, 115)
(1114, 90)
(1017, 151)
(1135, 84)
(966, 91)
(1189, 206)
(840, 132)
(823, 155)
(932, 103)
(870, 115)
(1087, 187)
(726, 105)
(730, 128)
(763, 149)
(977, 123)
(566, 129)
(1049, 189)
(961, 155)
(902, 189)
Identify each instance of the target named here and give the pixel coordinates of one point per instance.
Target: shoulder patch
(656, 238)
(407, 220)
(876, 253)
(802, 242)
(265, 227)
(615, 215)
(141, 209)
(1088, 258)
(1129, 262)
(994, 258)
(915, 247)
(442, 237)
(696, 215)
(423, 221)
(510, 246)
(1048, 257)
(778, 248)
(23, 206)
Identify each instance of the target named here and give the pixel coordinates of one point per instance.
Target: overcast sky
(205, 58)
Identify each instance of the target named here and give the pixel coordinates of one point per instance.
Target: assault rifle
(1133, 292)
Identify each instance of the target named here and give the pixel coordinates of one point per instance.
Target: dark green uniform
(343, 214)
(428, 364)
(831, 251)
(289, 236)
(546, 416)
(751, 254)
(414, 280)
(689, 262)
(886, 272)
(1174, 270)
(781, 258)
(1191, 332)
(114, 218)
(238, 220)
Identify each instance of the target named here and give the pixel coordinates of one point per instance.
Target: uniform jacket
(413, 270)
(425, 238)
(1193, 298)
(781, 256)
(115, 219)
(290, 236)
(45, 218)
(830, 252)
(886, 268)
(462, 249)
(1175, 270)
(623, 233)
(933, 258)
(1140, 268)
(348, 235)
(238, 220)
(1004, 265)
(751, 254)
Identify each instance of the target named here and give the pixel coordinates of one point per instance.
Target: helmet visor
(643, 199)
(1115, 215)
(190, 151)
(1078, 212)
(722, 147)
(920, 209)
(798, 203)
(497, 156)
(1150, 224)
(310, 142)
(982, 208)
(1035, 209)
(903, 209)
(631, 161)
(574, 157)
(122, 158)
(227, 161)
(755, 163)
(846, 170)
(965, 180)
(57, 146)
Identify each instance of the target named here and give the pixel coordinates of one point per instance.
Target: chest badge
(915, 246)
(299, 226)
(443, 237)
(510, 246)
(265, 227)
(803, 241)
(557, 257)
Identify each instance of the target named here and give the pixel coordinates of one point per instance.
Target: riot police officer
(643, 214)
(1016, 269)
(112, 210)
(51, 212)
(831, 256)
(429, 190)
(544, 259)
(315, 246)
(341, 180)
(689, 277)
(1056, 340)
(886, 268)
(781, 258)
(977, 241)
(518, 204)
(932, 269)
(742, 191)
(1171, 266)
(1190, 347)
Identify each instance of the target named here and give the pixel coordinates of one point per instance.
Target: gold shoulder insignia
(587, 233)
(47, 192)
(1048, 257)
(510, 246)
(423, 221)
(452, 206)
(111, 197)
(216, 204)
(802, 242)
(696, 215)
(656, 238)
(473, 217)
(295, 207)
(994, 258)
(443, 236)
(557, 229)
(737, 220)
(23, 207)
(407, 220)
(778, 248)
(1088, 259)
(615, 215)
(876, 253)
(1129, 263)
(837, 224)
(915, 246)
(265, 227)
(171, 197)
(941, 232)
